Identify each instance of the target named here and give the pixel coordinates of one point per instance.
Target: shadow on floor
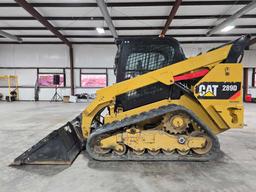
(144, 167)
(46, 170)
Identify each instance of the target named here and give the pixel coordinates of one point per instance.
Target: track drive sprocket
(175, 123)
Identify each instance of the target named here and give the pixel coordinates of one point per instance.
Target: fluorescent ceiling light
(100, 30)
(227, 28)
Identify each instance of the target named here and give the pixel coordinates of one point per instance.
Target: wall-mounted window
(93, 80)
(47, 80)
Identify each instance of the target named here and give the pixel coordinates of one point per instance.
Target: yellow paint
(10, 79)
(217, 121)
(224, 111)
(152, 140)
(209, 94)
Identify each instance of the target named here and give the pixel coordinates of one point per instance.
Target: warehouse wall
(26, 60)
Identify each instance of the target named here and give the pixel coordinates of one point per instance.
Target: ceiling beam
(132, 4)
(110, 36)
(109, 43)
(170, 17)
(42, 20)
(125, 28)
(232, 18)
(247, 16)
(104, 11)
(10, 36)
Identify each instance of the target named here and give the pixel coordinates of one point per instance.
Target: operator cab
(137, 56)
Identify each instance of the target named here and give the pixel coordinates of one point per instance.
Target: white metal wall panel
(249, 59)
(111, 77)
(34, 56)
(50, 70)
(93, 71)
(94, 55)
(86, 90)
(26, 77)
(7, 55)
(84, 56)
(26, 94)
(47, 93)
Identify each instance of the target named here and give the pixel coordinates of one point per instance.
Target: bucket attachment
(59, 147)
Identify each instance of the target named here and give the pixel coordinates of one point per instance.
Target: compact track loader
(164, 106)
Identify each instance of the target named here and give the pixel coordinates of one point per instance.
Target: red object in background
(248, 98)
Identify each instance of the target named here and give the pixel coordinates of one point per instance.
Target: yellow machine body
(153, 140)
(219, 115)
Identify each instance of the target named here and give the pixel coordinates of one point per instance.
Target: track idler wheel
(121, 151)
(100, 150)
(208, 145)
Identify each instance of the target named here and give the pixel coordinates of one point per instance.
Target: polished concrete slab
(22, 124)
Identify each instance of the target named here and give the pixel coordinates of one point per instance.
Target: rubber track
(118, 126)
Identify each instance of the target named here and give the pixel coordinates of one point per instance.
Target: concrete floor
(25, 123)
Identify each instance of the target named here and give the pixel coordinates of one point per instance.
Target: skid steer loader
(164, 106)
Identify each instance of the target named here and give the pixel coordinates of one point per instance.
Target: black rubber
(121, 125)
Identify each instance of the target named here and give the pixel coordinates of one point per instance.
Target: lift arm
(106, 96)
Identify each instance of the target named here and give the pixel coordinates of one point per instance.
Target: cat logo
(218, 90)
(209, 90)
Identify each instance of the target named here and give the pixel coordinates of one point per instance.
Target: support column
(253, 77)
(71, 58)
